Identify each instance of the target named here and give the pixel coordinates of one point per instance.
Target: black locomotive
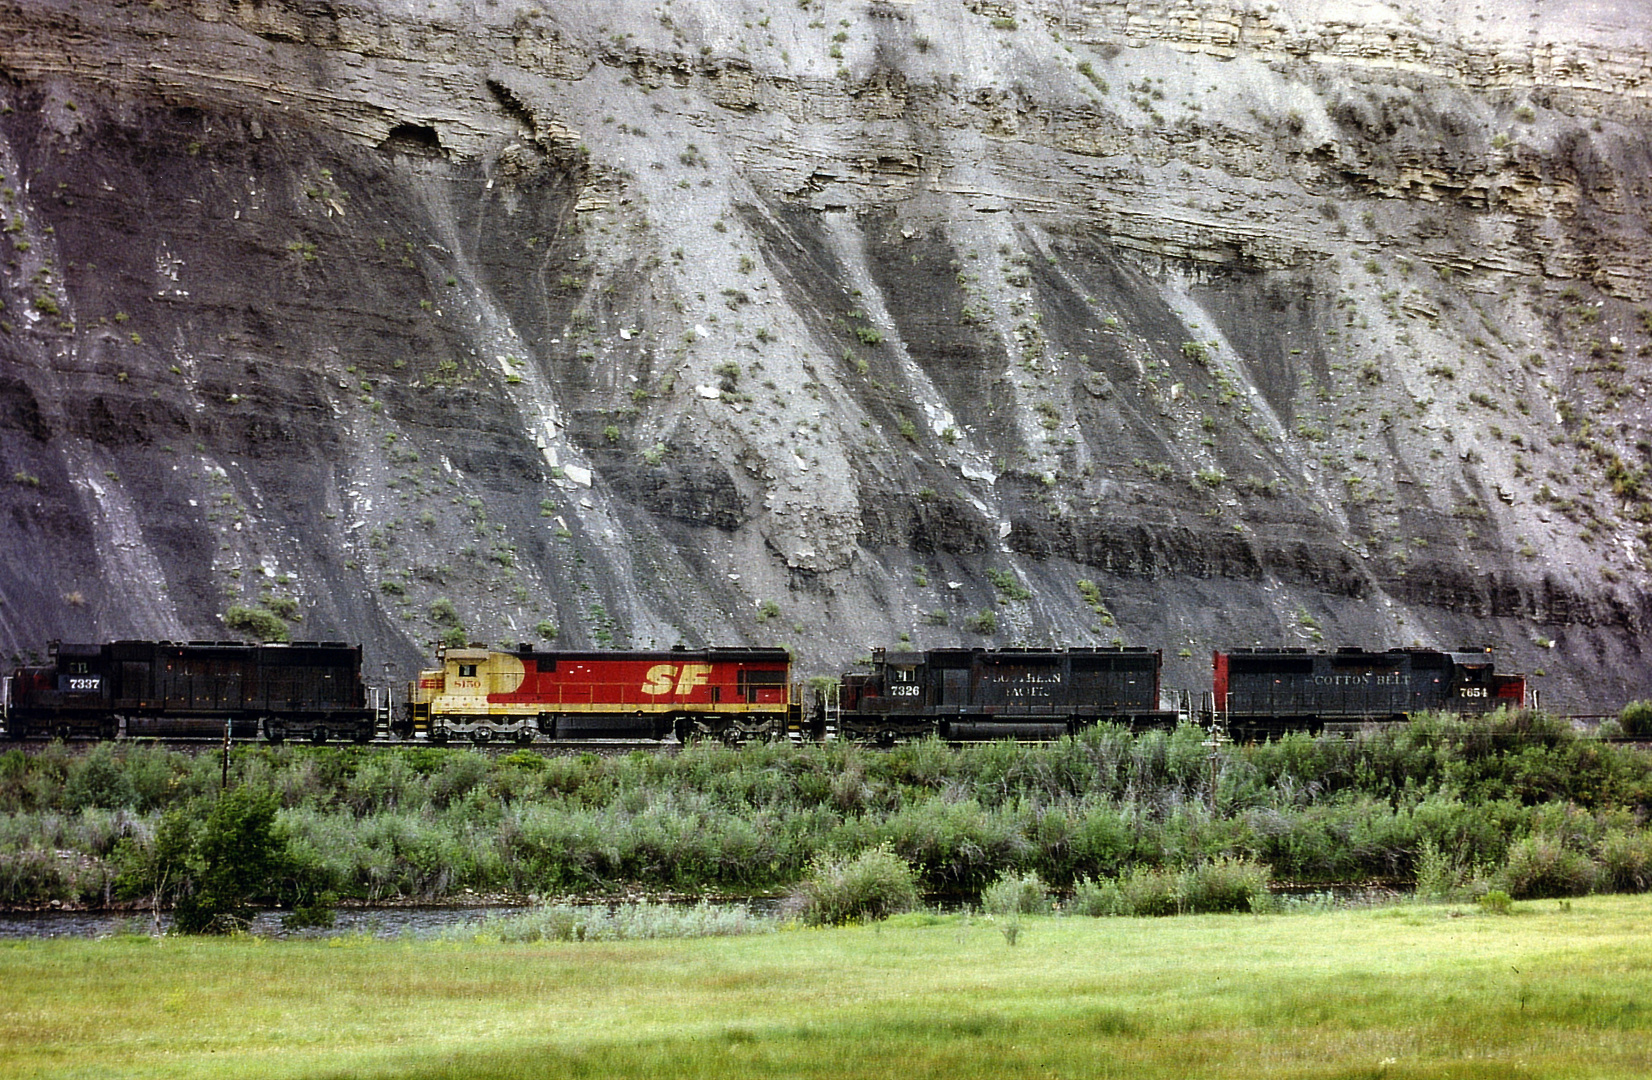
(968, 694)
(310, 690)
(1263, 692)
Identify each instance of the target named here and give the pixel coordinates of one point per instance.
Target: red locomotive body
(722, 693)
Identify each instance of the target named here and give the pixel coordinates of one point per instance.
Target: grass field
(1556, 989)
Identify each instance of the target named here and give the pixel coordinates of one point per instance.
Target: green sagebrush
(1444, 802)
(872, 885)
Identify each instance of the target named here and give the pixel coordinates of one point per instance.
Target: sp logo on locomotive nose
(670, 679)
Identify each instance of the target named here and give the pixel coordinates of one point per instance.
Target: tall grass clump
(1217, 886)
(1440, 876)
(866, 887)
(1096, 898)
(1625, 861)
(1636, 718)
(1016, 894)
(1542, 866)
(32, 875)
(1149, 890)
(1225, 884)
(624, 922)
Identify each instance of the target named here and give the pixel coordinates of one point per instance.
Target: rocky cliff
(830, 324)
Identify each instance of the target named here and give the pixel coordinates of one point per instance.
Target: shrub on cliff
(259, 623)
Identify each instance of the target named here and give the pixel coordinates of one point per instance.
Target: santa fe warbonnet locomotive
(482, 694)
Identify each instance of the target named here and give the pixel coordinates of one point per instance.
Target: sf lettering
(675, 680)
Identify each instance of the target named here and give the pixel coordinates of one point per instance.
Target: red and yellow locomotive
(482, 694)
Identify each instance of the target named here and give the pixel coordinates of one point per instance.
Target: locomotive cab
(1471, 683)
(889, 703)
(65, 698)
(460, 698)
(900, 683)
(1477, 687)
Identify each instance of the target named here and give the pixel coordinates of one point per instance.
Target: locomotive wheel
(524, 737)
(274, 731)
(439, 738)
(481, 736)
(319, 735)
(63, 732)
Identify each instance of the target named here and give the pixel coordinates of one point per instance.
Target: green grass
(1408, 992)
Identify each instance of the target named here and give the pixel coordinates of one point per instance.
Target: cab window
(467, 671)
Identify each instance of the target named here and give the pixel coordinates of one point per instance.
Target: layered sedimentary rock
(825, 324)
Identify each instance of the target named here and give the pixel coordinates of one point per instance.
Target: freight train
(479, 695)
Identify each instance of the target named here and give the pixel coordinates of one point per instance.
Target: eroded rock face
(629, 324)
